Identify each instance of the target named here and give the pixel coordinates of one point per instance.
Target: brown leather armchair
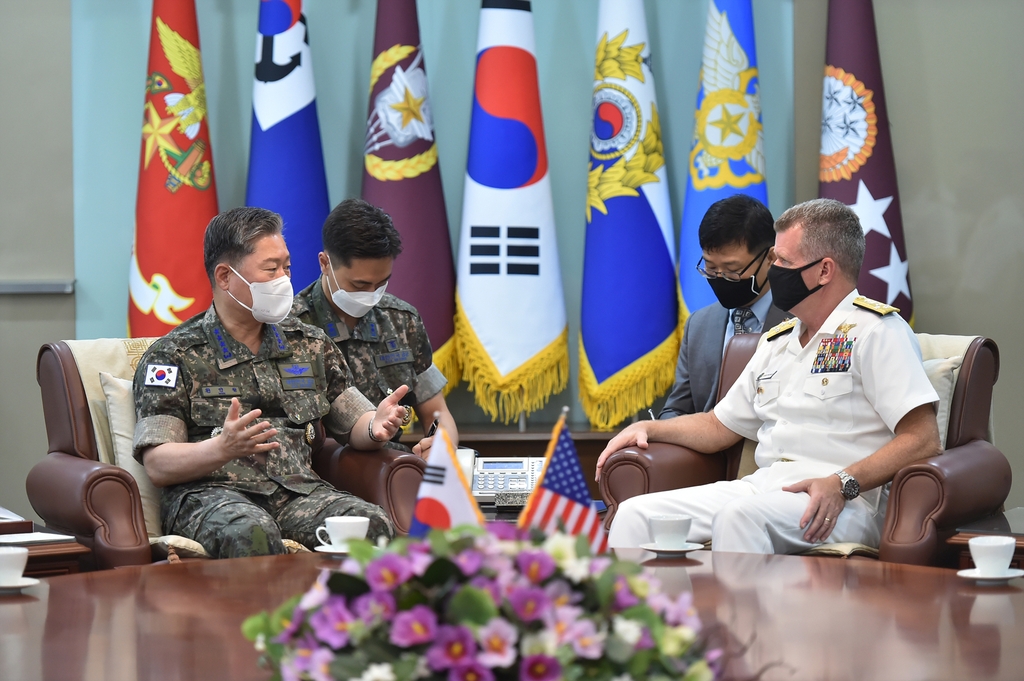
(928, 499)
(74, 491)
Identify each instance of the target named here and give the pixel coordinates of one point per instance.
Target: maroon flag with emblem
(401, 176)
(857, 164)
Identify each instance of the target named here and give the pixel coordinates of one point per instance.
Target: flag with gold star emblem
(401, 175)
(176, 194)
(856, 165)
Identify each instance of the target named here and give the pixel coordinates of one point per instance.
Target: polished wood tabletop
(796, 617)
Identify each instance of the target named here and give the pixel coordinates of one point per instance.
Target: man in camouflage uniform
(238, 480)
(381, 336)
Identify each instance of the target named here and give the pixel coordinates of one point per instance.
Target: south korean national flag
(162, 375)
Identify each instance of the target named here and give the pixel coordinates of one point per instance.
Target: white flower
(576, 570)
(261, 643)
(676, 640)
(379, 672)
(542, 643)
(629, 631)
(622, 677)
(422, 670)
(561, 547)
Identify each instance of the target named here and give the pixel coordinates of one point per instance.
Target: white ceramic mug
(670, 531)
(12, 563)
(991, 554)
(340, 529)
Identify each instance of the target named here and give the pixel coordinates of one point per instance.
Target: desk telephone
(493, 474)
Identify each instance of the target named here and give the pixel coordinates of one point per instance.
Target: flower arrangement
(476, 605)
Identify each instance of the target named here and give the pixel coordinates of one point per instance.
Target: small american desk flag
(562, 496)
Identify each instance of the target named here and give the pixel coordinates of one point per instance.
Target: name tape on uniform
(162, 375)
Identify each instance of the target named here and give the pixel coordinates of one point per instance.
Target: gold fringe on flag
(446, 358)
(526, 389)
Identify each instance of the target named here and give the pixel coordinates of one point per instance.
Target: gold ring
(827, 519)
(407, 419)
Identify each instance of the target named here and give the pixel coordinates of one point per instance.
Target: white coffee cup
(340, 529)
(992, 555)
(12, 563)
(670, 531)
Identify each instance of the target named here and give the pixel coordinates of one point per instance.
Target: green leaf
(461, 544)
(439, 543)
(408, 598)
(349, 666)
(282, 617)
(618, 650)
(347, 585)
(405, 667)
(470, 605)
(440, 572)
(255, 625)
(362, 550)
(640, 663)
(644, 613)
(606, 588)
(582, 546)
(699, 671)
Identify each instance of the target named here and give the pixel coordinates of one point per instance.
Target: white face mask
(271, 300)
(357, 303)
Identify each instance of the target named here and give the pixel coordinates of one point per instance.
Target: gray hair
(232, 235)
(831, 230)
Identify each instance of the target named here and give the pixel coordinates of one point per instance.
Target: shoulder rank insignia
(874, 306)
(780, 329)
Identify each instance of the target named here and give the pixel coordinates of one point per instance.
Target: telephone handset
(494, 474)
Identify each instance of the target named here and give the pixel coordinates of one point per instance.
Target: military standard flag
(286, 160)
(727, 152)
(401, 175)
(510, 314)
(562, 498)
(444, 499)
(629, 228)
(857, 165)
(177, 196)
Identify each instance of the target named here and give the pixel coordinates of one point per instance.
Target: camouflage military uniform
(183, 389)
(388, 348)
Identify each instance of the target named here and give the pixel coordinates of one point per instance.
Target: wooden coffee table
(55, 558)
(1008, 524)
(812, 618)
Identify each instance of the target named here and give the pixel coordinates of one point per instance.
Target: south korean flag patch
(161, 375)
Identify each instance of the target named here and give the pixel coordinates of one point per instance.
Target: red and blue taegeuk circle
(277, 16)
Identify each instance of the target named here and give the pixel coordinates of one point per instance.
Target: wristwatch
(851, 488)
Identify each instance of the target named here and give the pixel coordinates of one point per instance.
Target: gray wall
(36, 228)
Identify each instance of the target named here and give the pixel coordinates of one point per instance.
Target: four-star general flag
(510, 314)
(562, 496)
(401, 175)
(857, 165)
(444, 500)
(286, 160)
(629, 227)
(176, 197)
(727, 153)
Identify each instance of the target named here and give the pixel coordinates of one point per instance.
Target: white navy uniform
(812, 410)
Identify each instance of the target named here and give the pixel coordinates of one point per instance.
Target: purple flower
(507, 532)
(318, 593)
(536, 565)
(300, 659)
(677, 611)
(488, 585)
(497, 641)
(560, 620)
(414, 626)
(646, 641)
(387, 572)
(560, 593)
(331, 622)
(376, 606)
(320, 664)
(453, 646)
(469, 561)
(419, 558)
(598, 565)
(473, 671)
(587, 642)
(624, 596)
(539, 668)
(529, 603)
(291, 626)
(716, 661)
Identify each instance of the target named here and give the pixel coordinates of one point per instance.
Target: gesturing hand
(242, 436)
(390, 415)
(422, 448)
(824, 507)
(633, 435)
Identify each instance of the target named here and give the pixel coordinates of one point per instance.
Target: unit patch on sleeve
(162, 375)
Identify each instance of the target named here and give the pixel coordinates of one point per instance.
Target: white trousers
(750, 515)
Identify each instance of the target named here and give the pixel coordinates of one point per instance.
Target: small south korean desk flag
(444, 500)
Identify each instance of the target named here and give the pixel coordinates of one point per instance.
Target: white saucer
(18, 585)
(671, 553)
(993, 580)
(333, 550)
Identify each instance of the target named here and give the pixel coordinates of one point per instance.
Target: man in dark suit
(737, 236)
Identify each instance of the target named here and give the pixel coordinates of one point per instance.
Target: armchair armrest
(386, 477)
(633, 471)
(931, 498)
(97, 502)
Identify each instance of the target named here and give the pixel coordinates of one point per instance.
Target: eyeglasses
(732, 276)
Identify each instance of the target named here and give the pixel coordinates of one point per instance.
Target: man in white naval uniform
(837, 400)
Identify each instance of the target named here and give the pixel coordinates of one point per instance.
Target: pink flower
(419, 557)
(586, 641)
(529, 603)
(469, 561)
(599, 564)
(677, 611)
(453, 646)
(507, 532)
(560, 593)
(387, 572)
(497, 640)
(560, 620)
(375, 606)
(414, 626)
(318, 593)
(536, 565)
(473, 671)
(331, 622)
(539, 668)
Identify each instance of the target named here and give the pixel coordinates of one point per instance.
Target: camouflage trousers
(232, 524)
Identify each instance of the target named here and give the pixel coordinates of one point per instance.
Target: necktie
(740, 317)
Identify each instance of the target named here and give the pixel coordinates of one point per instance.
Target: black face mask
(733, 294)
(788, 287)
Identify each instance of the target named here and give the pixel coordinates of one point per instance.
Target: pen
(432, 429)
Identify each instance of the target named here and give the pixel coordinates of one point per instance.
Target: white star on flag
(871, 210)
(894, 275)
